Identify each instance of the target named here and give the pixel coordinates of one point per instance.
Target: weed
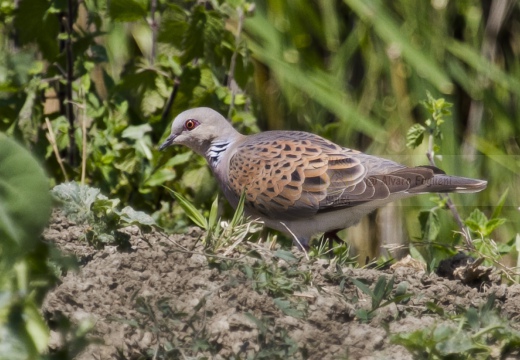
(382, 290)
(473, 334)
(85, 205)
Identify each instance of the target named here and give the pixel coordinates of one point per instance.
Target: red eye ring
(191, 124)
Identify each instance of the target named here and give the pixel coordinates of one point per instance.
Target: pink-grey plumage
(300, 183)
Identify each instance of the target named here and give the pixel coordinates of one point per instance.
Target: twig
(171, 99)
(464, 231)
(232, 65)
(297, 240)
(52, 139)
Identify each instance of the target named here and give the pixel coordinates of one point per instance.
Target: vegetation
(91, 88)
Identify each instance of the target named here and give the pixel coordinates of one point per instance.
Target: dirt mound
(165, 299)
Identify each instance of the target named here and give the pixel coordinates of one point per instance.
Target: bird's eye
(191, 124)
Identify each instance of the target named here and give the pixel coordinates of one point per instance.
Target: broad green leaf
(191, 211)
(174, 23)
(457, 344)
(476, 221)
(104, 205)
(285, 255)
(136, 132)
(159, 177)
(193, 43)
(34, 24)
(25, 202)
(127, 10)
(133, 217)
(415, 136)
(179, 159)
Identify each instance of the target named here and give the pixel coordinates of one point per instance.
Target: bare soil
(163, 298)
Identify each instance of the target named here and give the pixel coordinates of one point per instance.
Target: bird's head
(198, 128)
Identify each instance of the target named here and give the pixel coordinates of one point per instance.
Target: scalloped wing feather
(296, 174)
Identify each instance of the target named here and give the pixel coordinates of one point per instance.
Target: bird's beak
(169, 142)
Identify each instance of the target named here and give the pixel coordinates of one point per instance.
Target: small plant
(275, 342)
(85, 205)
(473, 334)
(220, 234)
(475, 224)
(382, 290)
(338, 255)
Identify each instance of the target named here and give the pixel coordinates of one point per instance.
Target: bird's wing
(296, 174)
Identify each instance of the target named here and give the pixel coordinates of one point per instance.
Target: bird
(300, 183)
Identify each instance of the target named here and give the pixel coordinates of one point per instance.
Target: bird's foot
(332, 236)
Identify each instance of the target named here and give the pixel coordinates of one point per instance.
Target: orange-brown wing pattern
(293, 174)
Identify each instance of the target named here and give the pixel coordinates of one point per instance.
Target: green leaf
(34, 24)
(136, 132)
(500, 205)
(239, 212)
(133, 217)
(476, 221)
(363, 287)
(104, 205)
(285, 255)
(174, 24)
(492, 225)
(35, 326)
(457, 344)
(213, 213)
(76, 200)
(179, 159)
(379, 291)
(159, 177)
(287, 308)
(415, 136)
(193, 43)
(430, 225)
(25, 202)
(127, 10)
(192, 212)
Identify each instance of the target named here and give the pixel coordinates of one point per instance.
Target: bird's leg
(331, 236)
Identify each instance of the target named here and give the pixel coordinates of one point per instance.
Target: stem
(83, 140)
(171, 99)
(232, 65)
(153, 26)
(52, 140)
(430, 154)
(69, 22)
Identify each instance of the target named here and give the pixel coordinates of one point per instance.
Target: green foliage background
(354, 71)
(91, 88)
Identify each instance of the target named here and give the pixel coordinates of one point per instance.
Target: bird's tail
(442, 183)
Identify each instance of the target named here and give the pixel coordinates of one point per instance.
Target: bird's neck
(216, 152)
(221, 148)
